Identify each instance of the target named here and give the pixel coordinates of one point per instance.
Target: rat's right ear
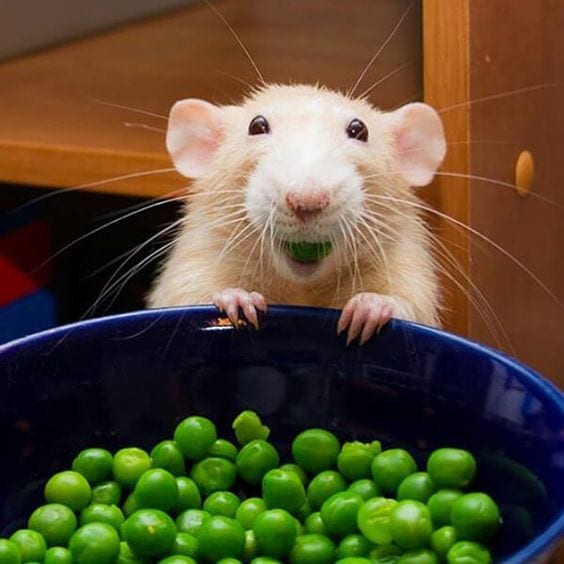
(195, 130)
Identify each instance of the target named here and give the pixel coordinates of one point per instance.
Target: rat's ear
(419, 142)
(195, 129)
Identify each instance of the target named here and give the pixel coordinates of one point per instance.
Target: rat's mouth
(305, 257)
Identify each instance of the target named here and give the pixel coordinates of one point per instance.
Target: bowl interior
(127, 380)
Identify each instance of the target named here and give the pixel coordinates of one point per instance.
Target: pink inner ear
(420, 143)
(195, 130)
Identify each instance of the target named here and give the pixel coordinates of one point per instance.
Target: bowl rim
(552, 533)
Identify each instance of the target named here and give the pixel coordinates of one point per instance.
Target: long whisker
(497, 96)
(380, 49)
(129, 108)
(392, 73)
(60, 191)
(143, 126)
(98, 229)
(481, 236)
(238, 40)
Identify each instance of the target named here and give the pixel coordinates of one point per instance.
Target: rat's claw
(231, 300)
(365, 314)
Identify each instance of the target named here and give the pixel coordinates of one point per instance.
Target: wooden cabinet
(465, 57)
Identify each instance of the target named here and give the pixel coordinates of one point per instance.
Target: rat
(305, 196)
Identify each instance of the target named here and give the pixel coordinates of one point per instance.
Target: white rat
(304, 196)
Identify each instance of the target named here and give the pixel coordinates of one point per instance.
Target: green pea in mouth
(304, 251)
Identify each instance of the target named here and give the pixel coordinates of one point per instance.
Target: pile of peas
(191, 500)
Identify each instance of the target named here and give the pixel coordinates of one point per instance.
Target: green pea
(314, 524)
(443, 539)
(56, 522)
(295, 468)
(189, 496)
(390, 467)
(131, 505)
(354, 560)
(339, 513)
(475, 516)
(468, 552)
(275, 532)
(223, 448)
(440, 505)
(248, 427)
(417, 486)
(365, 488)
(303, 511)
(10, 552)
(230, 561)
(250, 551)
(374, 519)
(126, 556)
(451, 468)
(156, 489)
(149, 532)
(31, 544)
(265, 560)
(94, 543)
(214, 474)
(95, 464)
(177, 559)
(312, 549)
(168, 456)
(323, 486)
(421, 556)
(222, 503)
(306, 251)
(191, 521)
(221, 537)
(129, 464)
(68, 488)
(255, 459)
(386, 554)
(354, 460)
(410, 525)
(98, 512)
(248, 511)
(108, 493)
(353, 545)
(315, 450)
(194, 437)
(282, 489)
(185, 544)
(56, 555)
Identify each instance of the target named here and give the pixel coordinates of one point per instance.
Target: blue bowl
(128, 379)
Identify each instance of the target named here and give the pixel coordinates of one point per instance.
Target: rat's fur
(241, 195)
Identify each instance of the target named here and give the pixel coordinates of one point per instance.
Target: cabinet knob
(524, 173)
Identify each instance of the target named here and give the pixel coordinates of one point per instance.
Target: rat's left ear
(195, 130)
(420, 144)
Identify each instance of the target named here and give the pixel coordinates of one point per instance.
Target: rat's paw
(364, 314)
(231, 300)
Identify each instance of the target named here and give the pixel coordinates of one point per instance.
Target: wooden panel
(54, 133)
(446, 67)
(517, 44)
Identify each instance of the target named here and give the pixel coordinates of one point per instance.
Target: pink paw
(231, 300)
(365, 314)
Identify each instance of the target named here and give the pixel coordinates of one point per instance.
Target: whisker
(129, 108)
(380, 49)
(59, 191)
(143, 126)
(237, 39)
(497, 96)
(392, 73)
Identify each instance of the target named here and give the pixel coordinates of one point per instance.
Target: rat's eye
(357, 130)
(259, 126)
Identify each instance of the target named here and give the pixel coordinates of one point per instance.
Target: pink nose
(307, 204)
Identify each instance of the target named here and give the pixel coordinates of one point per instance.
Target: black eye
(357, 130)
(259, 126)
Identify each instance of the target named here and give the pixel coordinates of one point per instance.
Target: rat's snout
(307, 205)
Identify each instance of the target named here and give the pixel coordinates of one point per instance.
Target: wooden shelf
(55, 133)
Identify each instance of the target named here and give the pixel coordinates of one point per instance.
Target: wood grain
(446, 84)
(526, 51)
(55, 133)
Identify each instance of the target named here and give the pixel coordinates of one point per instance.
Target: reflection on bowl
(126, 380)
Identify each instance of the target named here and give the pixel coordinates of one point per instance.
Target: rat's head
(314, 169)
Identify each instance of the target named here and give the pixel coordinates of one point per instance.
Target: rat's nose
(308, 204)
